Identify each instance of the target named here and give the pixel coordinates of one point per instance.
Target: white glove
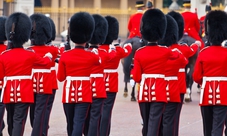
(48, 55)
(62, 44)
(224, 43)
(95, 51)
(198, 43)
(132, 82)
(111, 47)
(127, 44)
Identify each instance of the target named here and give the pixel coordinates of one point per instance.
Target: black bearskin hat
(180, 22)
(215, 26)
(171, 35)
(81, 27)
(19, 24)
(101, 29)
(113, 29)
(2, 28)
(53, 35)
(153, 25)
(41, 29)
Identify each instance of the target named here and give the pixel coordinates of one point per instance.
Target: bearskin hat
(53, 35)
(180, 22)
(153, 25)
(41, 29)
(113, 29)
(19, 24)
(81, 27)
(215, 27)
(101, 29)
(2, 28)
(171, 35)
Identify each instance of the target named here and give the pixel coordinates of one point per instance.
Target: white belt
(110, 70)
(182, 70)
(69, 79)
(205, 79)
(41, 70)
(96, 75)
(52, 68)
(12, 78)
(171, 78)
(144, 76)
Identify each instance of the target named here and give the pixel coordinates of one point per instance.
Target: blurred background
(61, 10)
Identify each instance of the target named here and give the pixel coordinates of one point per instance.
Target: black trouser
(16, 118)
(177, 117)
(47, 114)
(2, 111)
(106, 114)
(37, 113)
(168, 119)
(93, 119)
(75, 116)
(213, 119)
(145, 111)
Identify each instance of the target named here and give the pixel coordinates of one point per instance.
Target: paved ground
(126, 120)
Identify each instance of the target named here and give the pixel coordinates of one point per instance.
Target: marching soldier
(42, 78)
(75, 68)
(210, 72)
(149, 70)
(97, 77)
(54, 79)
(16, 66)
(171, 73)
(134, 20)
(187, 52)
(191, 22)
(111, 74)
(2, 48)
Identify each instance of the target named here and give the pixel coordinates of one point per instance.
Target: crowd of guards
(29, 78)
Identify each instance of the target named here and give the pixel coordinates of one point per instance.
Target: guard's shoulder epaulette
(204, 48)
(5, 51)
(140, 48)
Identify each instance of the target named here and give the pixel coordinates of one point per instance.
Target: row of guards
(159, 67)
(29, 78)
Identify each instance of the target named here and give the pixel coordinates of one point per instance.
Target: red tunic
(97, 75)
(187, 52)
(171, 77)
(134, 24)
(149, 70)
(16, 65)
(42, 77)
(2, 48)
(210, 71)
(75, 68)
(110, 68)
(192, 25)
(202, 23)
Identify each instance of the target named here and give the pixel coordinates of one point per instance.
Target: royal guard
(16, 66)
(210, 73)
(2, 48)
(187, 52)
(54, 78)
(149, 70)
(97, 77)
(191, 22)
(75, 68)
(171, 73)
(42, 78)
(134, 20)
(111, 74)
